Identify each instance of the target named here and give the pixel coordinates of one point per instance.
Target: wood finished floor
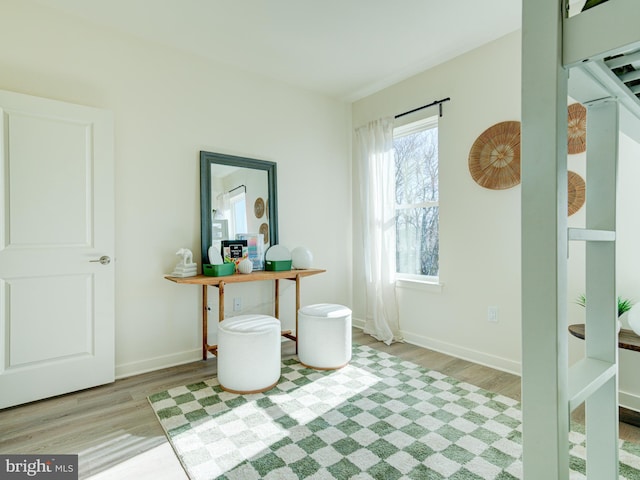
(117, 435)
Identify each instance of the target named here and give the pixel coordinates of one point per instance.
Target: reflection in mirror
(238, 200)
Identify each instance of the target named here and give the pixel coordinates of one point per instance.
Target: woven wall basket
(258, 207)
(494, 159)
(264, 230)
(577, 133)
(576, 192)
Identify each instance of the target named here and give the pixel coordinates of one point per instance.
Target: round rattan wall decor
(577, 133)
(494, 159)
(264, 230)
(576, 192)
(258, 207)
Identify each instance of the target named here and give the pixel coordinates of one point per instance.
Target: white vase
(633, 317)
(302, 258)
(245, 266)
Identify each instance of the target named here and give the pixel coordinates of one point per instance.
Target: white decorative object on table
(301, 258)
(215, 258)
(245, 266)
(185, 267)
(277, 253)
(633, 317)
(277, 258)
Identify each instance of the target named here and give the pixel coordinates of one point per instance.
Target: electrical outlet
(492, 314)
(237, 304)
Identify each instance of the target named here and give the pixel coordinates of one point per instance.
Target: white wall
(480, 229)
(168, 106)
(627, 261)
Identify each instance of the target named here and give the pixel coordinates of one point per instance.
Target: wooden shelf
(245, 277)
(626, 338)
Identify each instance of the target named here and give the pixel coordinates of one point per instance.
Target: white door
(56, 220)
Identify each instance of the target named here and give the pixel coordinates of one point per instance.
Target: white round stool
(324, 336)
(248, 353)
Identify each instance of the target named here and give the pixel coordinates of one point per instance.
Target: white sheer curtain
(377, 208)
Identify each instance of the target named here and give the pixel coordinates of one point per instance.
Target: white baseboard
(626, 399)
(157, 363)
(358, 323)
(629, 400)
(474, 356)
(470, 355)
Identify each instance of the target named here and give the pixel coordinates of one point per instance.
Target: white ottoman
(248, 353)
(324, 336)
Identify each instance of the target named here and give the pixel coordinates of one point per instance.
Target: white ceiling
(346, 49)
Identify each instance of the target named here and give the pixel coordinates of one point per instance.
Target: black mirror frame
(209, 158)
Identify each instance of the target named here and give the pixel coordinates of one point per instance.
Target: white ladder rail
(545, 402)
(601, 334)
(549, 390)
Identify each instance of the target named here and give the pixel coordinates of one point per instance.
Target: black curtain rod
(437, 102)
(239, 186)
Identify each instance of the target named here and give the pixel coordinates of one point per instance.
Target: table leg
(221, 301)
(205, 319)
(297, 307)
(277, 299)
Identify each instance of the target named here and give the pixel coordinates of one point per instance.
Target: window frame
(238, 205)
(404, 128)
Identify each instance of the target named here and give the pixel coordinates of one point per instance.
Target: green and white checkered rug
(380, 417)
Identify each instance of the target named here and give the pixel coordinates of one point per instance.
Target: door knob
(104, 260)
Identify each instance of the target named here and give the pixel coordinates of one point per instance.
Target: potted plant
(624, 305)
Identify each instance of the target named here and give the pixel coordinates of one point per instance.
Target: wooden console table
(627, 340)
(257, 276)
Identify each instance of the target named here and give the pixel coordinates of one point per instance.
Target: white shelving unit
(572, 56)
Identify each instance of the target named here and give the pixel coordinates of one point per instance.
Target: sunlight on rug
(380, 417)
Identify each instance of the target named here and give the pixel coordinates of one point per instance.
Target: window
(238, 213)
(417, 209)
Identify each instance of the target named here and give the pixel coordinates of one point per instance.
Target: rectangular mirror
(238, 197)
